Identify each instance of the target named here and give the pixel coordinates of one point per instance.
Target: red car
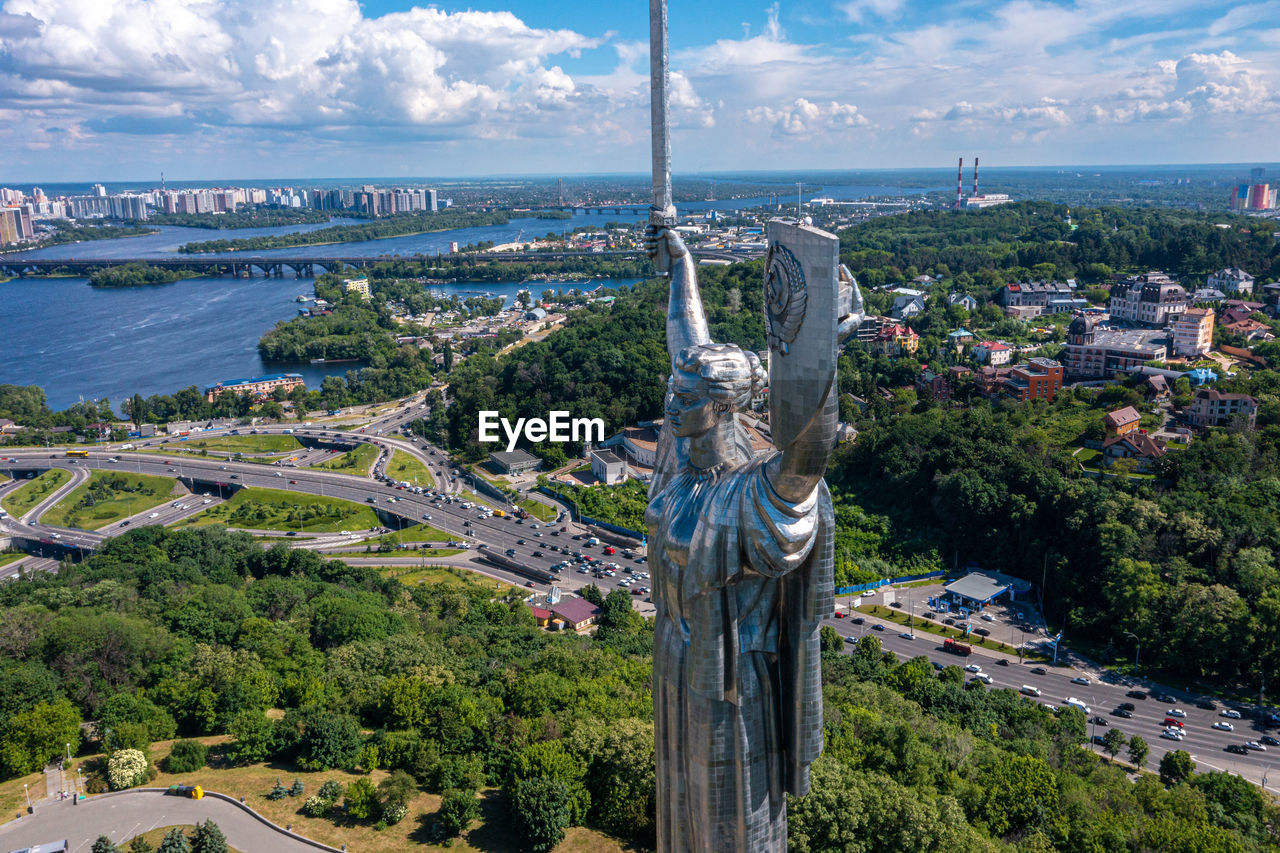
(608, 549)
(293, 482)
(1170, 721)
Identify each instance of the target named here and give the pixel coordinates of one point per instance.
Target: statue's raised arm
(686, 320)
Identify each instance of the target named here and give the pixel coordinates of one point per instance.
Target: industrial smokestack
(975, 175)
(959, 180)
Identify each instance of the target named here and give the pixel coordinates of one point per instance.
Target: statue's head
(708, 382)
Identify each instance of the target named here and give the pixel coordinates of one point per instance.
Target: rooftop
(977, 586)
(606, 457)
(574, 610)
(513, 457)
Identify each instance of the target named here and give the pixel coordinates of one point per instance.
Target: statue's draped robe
(742, 581)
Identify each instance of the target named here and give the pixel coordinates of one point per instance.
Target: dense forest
(196, 632)
(136, 275)
(67, 231)
(399, 225)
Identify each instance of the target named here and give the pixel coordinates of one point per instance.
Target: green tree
(361, 799)
(397, 789)
(34, 737)
(208, 838)
(174, 842)
(329, 741)
(1138, 751)
(104, 845)
(1016, 793)
(540, 810)
(619, 756)
(551, 760)
(830, 640)
(186, 756)
(140, 845)
(253, 737)
(457, 809)
(1176, 766)
(1113, 741)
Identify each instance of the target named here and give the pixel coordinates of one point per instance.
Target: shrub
(278, 792)
(361, 799)
(330, 791)
(394, 813)
(187, 756)
(126, 768)
(297, 788)
(316, 806)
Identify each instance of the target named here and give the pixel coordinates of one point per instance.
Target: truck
(500, 513)
(1073, 702)
(955, 648)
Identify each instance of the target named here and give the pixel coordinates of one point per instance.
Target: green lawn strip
(6, 559)
(538, 509)
(357, 461)
(247, 443)
(273, 509)
(420, 533)
(407, 468)
(448, 575)
(925, 626)
(109, 496)
(22, 499)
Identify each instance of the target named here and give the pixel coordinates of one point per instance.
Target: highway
(1103, 696)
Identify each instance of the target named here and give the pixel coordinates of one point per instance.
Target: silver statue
(741, 553)
(740, 546)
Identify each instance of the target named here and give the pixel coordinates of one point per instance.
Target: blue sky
(208, 89)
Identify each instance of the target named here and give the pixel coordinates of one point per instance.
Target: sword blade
(661, 138)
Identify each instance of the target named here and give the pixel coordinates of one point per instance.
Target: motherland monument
(740, 546)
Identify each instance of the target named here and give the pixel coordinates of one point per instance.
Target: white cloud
(860, 11)
(804, 118)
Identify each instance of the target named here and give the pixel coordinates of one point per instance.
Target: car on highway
(1028, 690)
(1100, 721)
(1175, 712)
(1255, 746)
(1269, 740)
(986, 617)
(1039, 670)
(906, 636)
(1171, 734)
(1224, 726)
(1229, 713)
(973, 667)
(1081, 679)
(1167, 699)
(1136, 694)
(982, 677)
(1173, 722)
(1123, 713)
(1207, 704)
(293, 482)
(875, 627)
(982, 632)
(1237, 748)
(857, 620)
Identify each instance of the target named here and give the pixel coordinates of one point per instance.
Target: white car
(1080, 679)
(973, 667)
(1223, 726)
(1230, 714)
(987, 617)
(1175, 712)
(1254, 745)
(1171, 734)
(983, 677)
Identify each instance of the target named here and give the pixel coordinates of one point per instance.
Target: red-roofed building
(1121, 421)
(578, 613)
(895, 339)
(993, 353)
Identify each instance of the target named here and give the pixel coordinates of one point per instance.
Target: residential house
(993, 353)
(577, 613)
(1193, 332)
(1211, 407)
(1121, 421)
(964, 300)
(959, 338)
(1152, 299)
(938, 385)
(1231, 280)
(896, 340)
(1210, 295)
(1032, 298)
(1235, 310)
(1135, 445)
(1097, 354)
(906, 306)
(1037, 379)
(607, 468)
(7, 426)
(1157, 390)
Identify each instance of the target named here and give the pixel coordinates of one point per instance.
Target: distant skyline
(119, 90)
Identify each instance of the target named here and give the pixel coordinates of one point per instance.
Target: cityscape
(389, 461)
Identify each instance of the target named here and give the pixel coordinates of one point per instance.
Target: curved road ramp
(122, 815)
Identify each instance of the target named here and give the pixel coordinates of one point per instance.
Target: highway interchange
(1104, 694)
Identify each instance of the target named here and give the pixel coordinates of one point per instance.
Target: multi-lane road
(1104, 695)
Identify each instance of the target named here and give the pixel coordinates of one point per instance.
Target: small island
(399, 225)
(135, 275)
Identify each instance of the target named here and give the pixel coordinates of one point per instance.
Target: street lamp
(1138, 650)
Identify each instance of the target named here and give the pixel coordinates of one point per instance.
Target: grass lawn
(447, 576)
(22, 499)
(155, 836)
(925, 626)
(402, 466)
(6, 559)
(108, 497)
(420, 533)
(245, 443)
(272, 509)
(357, 461)
(1088, 456)
(538, 510)
(491, 834)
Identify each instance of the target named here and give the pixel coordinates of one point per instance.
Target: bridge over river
(274, 266)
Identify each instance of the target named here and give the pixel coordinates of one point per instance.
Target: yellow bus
(80, 453)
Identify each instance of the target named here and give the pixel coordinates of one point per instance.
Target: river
(80, 342)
